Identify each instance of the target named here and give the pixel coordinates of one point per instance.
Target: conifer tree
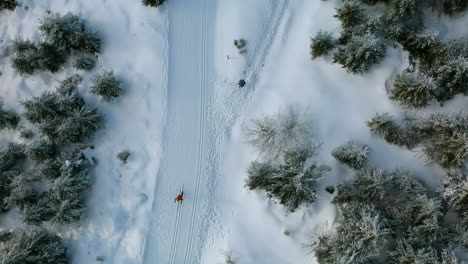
(455, 192)
(8, 4)
(34, 246)
(69, 32)
(7, 119)
(360, 53)
(321, 44)
(291, 183)
(413, 91)
(452, 78)
(84, 62)
(352, 154)
(106, 86)
(40, 150)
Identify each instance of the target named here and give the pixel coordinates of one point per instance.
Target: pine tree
(24, 60)
(452, 78)
(405, 253)
(123, 156)
(106, 86)
(291, 183)
(8, 4)
(8, 119)
(455, 192)
(38, 212)
(69, 32)
(362, 234)
(153, 2)
(350, 15)
(383, 125)
(34, 246)
(366, 187)
(40, 150)
(413, 91)
(49, 169)
(404, 9)
(322, 44)
(80, 126)
(352, 154)
(84, 62)
(361, 53)
(21, 192)
(49, 57)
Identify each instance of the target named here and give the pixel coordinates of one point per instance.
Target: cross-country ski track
(193, 129)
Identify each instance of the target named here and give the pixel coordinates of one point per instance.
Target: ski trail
(175, 234)
(197, 116)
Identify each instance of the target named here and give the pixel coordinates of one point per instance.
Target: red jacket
(179, 198)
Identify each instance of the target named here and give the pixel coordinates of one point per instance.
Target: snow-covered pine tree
(293, 182)
(84, 62)
(11, 160)
(48, 169)
(25, 56)
(8, 4)
(40, 150)
(40, 211)
(455, 192)
(352, 154)
(383, 125)
(321, 44)
(413, 91)
(452, 78)
(361, 234)
(69, 32)
(123, 156)
(366, 187)
(49, 57)
(153, 2)
(448, 6)
(106, 86)
(21, 192)
(446, 137)
(78, 127)
(8, 119)
(360, 53)
(350, 15)
(272, 135)
(34, 246)
(405, 253)
(404, 9)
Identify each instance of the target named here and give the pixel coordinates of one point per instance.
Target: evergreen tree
(80, 126)
(123, 156)
(21, 192)
(49, 57)
(452, 78)
(84, 62)
(360, 53)
(34, 246)
(8, 4)
(40, 211)
(361, 234)
(413, 91)
(8, 119)
(153, 2)
(25, 56)
(40, 150)
(350, 15)
(455, 192)
(366, 187)
(106, 86)
(404, 9)
(322, 44)
(405, 253)
(48, 169)
(69, 32)
(291, 183)
(383, 125)
(352, 154)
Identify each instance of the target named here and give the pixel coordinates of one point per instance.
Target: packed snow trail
(175, 233)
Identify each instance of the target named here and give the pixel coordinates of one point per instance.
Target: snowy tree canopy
(69, 32)
(33, 246)
(321, 44)
(153, 2)
(292, 182)
(413, 91)
(352, 154)
(272, 135)
(106, 86)
(8, 119)
(8, 4)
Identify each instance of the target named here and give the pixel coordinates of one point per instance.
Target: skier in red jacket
(179, 197)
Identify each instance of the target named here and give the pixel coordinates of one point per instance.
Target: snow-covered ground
(181, 120)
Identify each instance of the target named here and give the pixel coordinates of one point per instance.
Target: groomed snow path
(175, 234)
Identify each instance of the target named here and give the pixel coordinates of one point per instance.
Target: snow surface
(181, 120)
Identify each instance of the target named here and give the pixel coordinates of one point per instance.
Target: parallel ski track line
(175, 231)
(201, 146)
